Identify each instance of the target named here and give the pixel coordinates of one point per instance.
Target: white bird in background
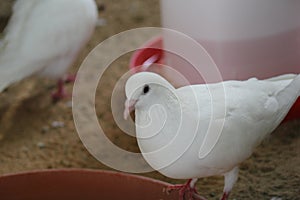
(44, 37)
(177, 129)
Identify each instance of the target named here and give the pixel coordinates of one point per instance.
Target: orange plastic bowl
(81, 184)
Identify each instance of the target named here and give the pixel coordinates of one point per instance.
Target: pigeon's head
(141, 88)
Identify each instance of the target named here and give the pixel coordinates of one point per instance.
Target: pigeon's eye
(146, 89)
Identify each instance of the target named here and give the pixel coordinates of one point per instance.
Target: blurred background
(37, 134)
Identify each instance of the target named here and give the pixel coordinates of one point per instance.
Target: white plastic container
(246, 38)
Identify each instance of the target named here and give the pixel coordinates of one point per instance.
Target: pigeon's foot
(225, 196)
(60, 93)
(70, 78)
(187, 191)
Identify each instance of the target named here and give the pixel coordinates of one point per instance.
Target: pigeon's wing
(252, 99)
(246, 112)
(266, 101)
(42, 31)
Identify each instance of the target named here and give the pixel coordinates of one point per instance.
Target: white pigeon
(205, 130)
(44, 37)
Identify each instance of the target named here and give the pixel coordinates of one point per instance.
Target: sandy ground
(37, 134)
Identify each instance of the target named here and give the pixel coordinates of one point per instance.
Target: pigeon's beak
(129, 107)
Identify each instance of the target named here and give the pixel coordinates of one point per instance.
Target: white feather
(44, 37)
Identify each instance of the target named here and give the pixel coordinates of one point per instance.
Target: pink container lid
(153, 51)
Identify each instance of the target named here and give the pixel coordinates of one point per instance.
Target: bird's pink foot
(60, 93)
(70, 78)
(187, 191)
(57, 96)
(225, 196)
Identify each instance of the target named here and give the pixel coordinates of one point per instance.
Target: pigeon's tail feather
(3, 74)
(6, 76)
(12, 71)
(288, 96)
(2, 86)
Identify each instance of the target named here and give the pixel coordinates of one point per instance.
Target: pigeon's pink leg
(70, 78)
(230, 179)
(225, 196)
(187, 191)
(60, 93)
